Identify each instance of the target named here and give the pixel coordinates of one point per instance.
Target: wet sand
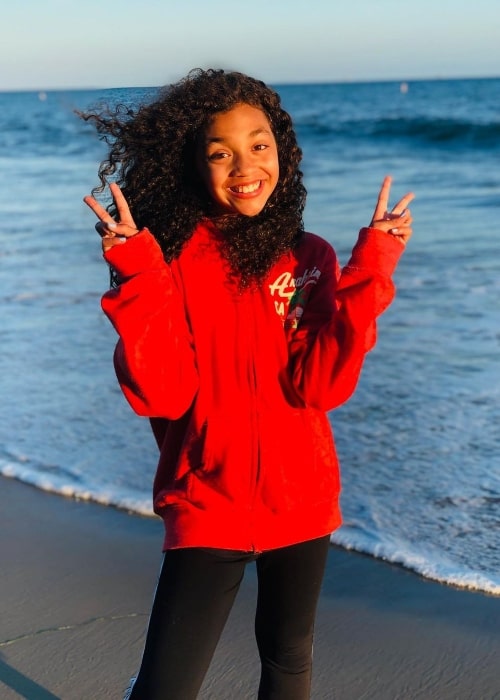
(77, 581)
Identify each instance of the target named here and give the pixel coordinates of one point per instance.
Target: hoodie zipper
(255, 456)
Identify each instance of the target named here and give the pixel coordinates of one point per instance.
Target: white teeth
(246, 189)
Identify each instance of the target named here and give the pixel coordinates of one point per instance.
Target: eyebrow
(252, 134)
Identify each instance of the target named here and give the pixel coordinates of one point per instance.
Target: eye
(218, 155)
(260, 147)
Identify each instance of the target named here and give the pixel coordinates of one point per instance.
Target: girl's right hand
(113, 232)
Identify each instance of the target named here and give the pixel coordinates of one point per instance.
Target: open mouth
(251, 188)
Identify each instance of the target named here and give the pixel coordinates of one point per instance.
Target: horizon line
(345, 81)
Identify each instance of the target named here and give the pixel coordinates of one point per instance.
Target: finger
(98, 210)
(109, 242)
(401, 206)
(391, 221)
(121, 205)
(402, 234)
(403, 219)
(401, 229)
(383, 199)
(115, 230)
(102, 229)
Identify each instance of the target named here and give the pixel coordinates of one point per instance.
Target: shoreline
(457, 581)
(77, 583)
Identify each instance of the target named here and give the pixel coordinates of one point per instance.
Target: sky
(61, 44)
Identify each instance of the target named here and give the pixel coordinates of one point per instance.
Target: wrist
(138, 253)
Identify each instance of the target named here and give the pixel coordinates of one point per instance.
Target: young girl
(237, 333)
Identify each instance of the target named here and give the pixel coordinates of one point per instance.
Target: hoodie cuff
(376, 251)
(139, 254)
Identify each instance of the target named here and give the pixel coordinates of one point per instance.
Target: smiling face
(238, 160)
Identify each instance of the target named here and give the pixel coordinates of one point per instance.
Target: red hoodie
(241, 381)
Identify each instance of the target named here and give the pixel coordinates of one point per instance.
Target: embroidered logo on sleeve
(290, 295)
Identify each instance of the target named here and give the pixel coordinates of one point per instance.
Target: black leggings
(195, 593)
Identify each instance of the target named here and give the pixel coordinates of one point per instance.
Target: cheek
(213, 180)
(276, 174)
(274, 166)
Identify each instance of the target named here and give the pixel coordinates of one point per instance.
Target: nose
(241, 163)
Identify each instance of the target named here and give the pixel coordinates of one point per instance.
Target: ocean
(419, 442)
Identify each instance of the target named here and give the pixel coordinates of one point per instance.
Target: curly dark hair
(152, 157)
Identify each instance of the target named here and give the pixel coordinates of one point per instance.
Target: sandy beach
(77, 581)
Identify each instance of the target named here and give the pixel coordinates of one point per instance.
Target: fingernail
(111, 224)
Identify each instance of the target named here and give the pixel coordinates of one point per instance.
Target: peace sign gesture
(396, 222)
(113, 232)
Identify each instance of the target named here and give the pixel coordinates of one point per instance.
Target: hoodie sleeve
(338, 326)
(154, 357)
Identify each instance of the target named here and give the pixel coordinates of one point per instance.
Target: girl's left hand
(396, 222)
(113, 232)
